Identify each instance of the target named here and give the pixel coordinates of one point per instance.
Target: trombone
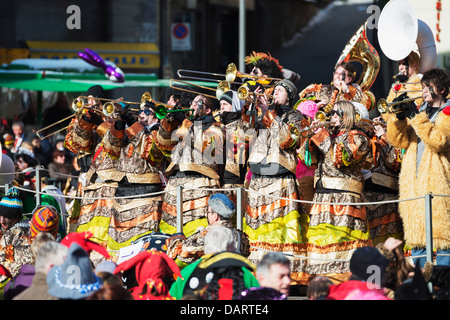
(383, 106)
(404, 83)
(232, 73)
(222, 87)
(78, 106)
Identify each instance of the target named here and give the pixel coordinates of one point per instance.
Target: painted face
(147, 117)
(198, 104)
(429, 92)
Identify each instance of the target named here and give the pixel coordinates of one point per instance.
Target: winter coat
(422, 175)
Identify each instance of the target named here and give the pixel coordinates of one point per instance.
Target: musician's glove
(128, 116)
(92, 117)
(408, 109)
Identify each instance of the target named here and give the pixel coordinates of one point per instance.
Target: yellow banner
(124, 55)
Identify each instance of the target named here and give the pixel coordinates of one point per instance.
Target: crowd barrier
(239, 207)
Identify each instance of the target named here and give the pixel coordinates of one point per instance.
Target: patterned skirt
(384, 219)
(134, 217)
(95, 213)
(274, 224)
(195, 202)
(334, 233)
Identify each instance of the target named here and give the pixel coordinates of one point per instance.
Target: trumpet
(321, 116)
(222, 87)
(232, 73)
(243, 93)
(383, 106)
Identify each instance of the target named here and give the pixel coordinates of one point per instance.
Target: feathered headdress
(254, 57)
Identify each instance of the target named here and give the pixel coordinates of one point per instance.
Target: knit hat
(290, 88)
(75, 278)
(308, 108)
(82, 239)
(154, 272)
(44, 219)
(222, 205)
(96, 91)
(11, 205)
(232, 98)
(363, 259)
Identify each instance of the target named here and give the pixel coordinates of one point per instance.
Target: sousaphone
(360, 50)
(399, 31)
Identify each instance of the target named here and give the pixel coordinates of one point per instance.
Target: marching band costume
(335, 231)
(196, 164)
(272, 223)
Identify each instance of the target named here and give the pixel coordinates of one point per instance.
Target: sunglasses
(146, 111)
(339, 112)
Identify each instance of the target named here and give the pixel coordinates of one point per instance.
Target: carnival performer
(97, 142)
(335, 231)
(341, 89)
(381, 184)
(424, 134)
(239, 135)
(270, 222)
(195, 147)
(407, 79)
(137, 173)
(264, 65)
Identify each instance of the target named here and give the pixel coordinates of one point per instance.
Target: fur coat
(431, 175)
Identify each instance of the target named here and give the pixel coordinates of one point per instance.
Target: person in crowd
(337, 230)
(221, 259)
(45, 219)
(50, 254)
(271, 222)
(15, 245)
(58, 168)
(274, 271)
(25, 163)
(220, 211)
(423, 133)
(318, 288)
(40, 153)
(24, 279)
(368, 275)
(20, 135)
(152, 271)
(60, 276)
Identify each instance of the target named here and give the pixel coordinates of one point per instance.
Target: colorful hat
(308, 107)
(11, 205)
(44, 219)
(74, 279)
(82, 239)
(222, 205)
(154, 273)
